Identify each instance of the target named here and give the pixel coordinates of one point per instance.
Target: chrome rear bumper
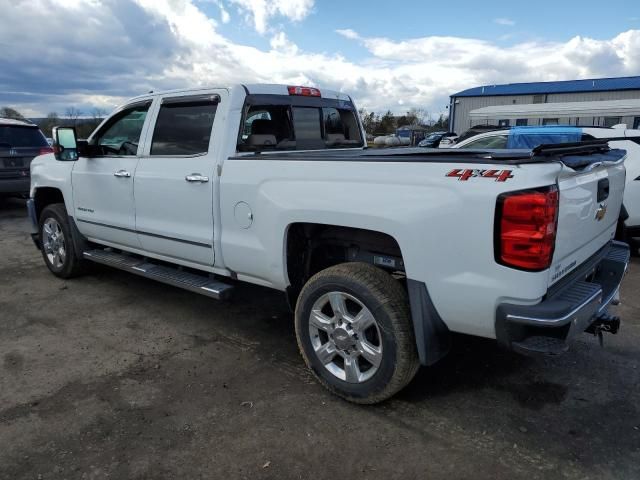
(568, 309)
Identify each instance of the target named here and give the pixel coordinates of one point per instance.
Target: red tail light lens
(526, 224)
(45, 150)
(304, 91)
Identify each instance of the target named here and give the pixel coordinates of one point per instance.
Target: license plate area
(13, 162)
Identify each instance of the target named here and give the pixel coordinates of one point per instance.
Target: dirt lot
(115, 376)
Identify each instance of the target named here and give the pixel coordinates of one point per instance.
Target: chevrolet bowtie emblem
(601, 211)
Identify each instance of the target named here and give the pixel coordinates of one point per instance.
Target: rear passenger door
(176, 183)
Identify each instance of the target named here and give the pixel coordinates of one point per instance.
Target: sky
(87, 54)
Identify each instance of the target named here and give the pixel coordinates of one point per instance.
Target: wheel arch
(305, 253)
(311, 247)
(44, 196)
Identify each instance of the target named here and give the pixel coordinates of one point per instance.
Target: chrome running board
(202, 284)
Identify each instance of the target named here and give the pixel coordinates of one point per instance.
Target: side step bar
(172, 276)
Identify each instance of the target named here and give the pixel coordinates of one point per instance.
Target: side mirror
(65, 145)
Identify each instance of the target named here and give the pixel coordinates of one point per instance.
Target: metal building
(522, 104)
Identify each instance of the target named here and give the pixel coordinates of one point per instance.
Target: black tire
(72, 265)
(387, 301)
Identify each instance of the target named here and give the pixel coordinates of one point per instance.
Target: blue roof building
(586, 90)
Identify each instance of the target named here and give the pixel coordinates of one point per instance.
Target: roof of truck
(250, 88)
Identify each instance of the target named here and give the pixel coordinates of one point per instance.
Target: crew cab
(531, 137)
(270, 184)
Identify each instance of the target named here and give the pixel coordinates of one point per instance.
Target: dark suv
(20, 142)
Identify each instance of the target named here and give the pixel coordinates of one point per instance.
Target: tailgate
(590, 202)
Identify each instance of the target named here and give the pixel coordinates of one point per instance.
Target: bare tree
(48, 123)
(72, 113)
(97, 115)
(8, 112)
(369, 120)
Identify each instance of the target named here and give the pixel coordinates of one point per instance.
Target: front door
(176, 181)
(103, 184)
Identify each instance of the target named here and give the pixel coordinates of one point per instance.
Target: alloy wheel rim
(345, 337)
(54, 242)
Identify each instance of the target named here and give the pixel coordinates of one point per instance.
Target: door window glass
(121, 134)
(636, 123)
(522, 122)
(498, 141)
(184, 127)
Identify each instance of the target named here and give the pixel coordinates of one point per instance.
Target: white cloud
(507, 22)
(260, 12)
(186, 20)
(281, 43)
(224, 15)
(348, 33)
(97, 54)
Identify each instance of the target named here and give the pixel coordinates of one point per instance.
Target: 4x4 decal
(465, 174)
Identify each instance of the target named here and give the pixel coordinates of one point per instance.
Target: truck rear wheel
(354, 331)
(56, 243)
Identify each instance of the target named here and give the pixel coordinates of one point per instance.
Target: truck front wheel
(56, 242)
(354, 331)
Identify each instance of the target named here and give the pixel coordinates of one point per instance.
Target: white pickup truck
(382, 254)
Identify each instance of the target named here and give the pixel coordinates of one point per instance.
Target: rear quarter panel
(444, 226)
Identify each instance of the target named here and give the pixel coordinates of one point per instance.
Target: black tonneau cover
(575, 155)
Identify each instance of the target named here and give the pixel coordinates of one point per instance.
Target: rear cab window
(279, 122)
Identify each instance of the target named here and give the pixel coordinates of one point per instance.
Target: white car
(382, 253)
(530, 137)
(448, 141)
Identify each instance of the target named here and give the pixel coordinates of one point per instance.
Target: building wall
(462, 121)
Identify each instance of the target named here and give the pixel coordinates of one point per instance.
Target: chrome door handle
(196, 177)
(121, 173)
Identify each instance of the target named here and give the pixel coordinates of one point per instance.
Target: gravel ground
(114, 376)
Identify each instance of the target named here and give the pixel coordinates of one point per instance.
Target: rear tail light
(526, 224)
(304, 91)
(45, 150)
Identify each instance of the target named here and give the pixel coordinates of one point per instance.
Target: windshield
(18, 136)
